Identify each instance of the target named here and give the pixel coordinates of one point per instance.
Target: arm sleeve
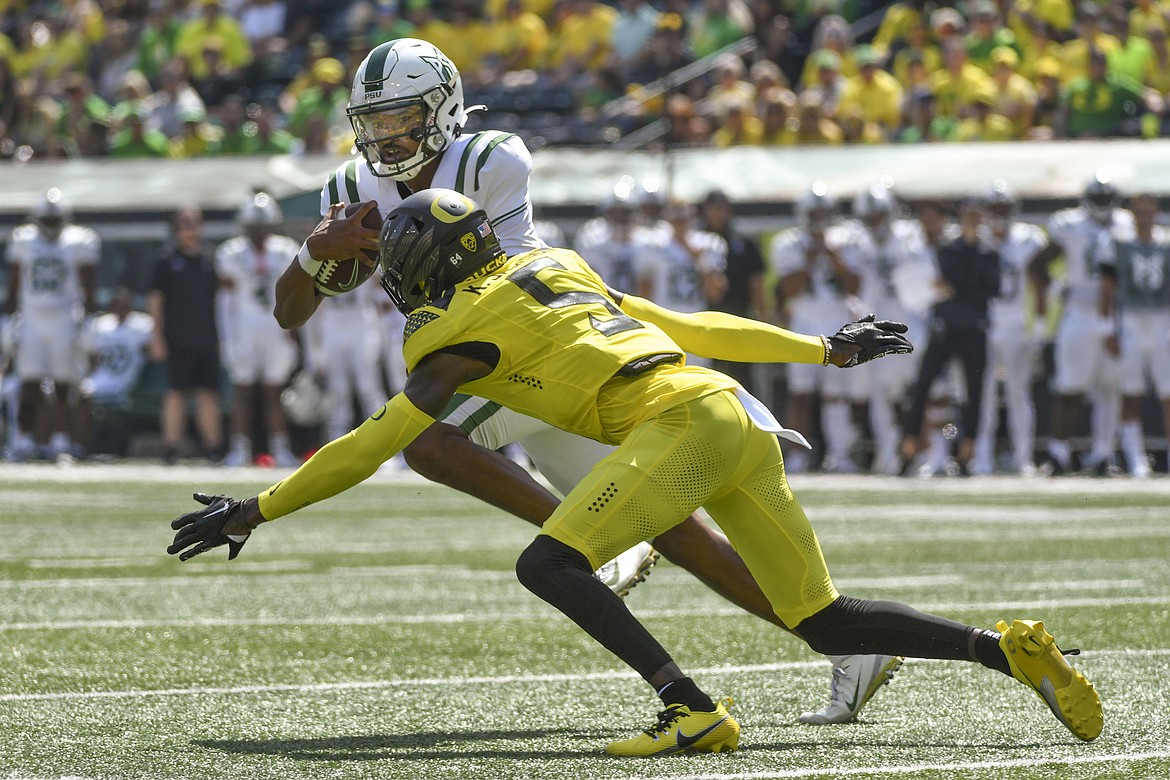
(348, 460)
(721, 336)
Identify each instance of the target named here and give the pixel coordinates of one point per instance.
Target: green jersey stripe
(456, 401)
(475, 420)
(484, 155)
(459, 179)
(334, 190)
(513, 213)
(351, 182)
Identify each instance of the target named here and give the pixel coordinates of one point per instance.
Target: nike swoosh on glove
(221, 522)
(873, 339)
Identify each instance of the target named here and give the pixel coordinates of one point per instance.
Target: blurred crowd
(183, 78)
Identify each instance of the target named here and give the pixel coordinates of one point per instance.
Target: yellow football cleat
(679, 730)
(1037, 662)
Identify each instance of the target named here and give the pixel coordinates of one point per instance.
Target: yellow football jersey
(567, 353)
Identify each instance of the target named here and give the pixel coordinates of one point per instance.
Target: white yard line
(510, 679)
(911, 769)
(489, 617)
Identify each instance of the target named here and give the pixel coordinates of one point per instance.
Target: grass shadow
(420, 746)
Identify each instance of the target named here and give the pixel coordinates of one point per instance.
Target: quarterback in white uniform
(1082, 364)
(52, 272)
(258, 354)
(883, 248)
(813, 280)
(1013, 342)
(408, 115)
(1135, 281)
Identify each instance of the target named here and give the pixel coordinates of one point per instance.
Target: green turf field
(383, 635)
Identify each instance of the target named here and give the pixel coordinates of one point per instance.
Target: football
(340, 276)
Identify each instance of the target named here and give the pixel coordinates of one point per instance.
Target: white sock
(839, 433)
(1133, 443)
(1060, 451)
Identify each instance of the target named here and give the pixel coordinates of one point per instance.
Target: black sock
(985, 649)
(684, 691)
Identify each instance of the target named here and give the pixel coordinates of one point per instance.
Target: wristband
(828, 350)
(309, 264)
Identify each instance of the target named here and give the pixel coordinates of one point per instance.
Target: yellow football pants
(708, 453)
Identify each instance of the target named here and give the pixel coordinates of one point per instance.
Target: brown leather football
(340, 276)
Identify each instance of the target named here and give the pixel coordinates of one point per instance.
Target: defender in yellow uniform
(541, 333)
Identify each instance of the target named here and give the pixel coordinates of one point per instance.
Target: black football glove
(873, 339)
(222, 522)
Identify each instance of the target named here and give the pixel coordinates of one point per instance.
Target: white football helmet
(260, 210)
(817, 210)
(1002, 205)
(875, 206)
(405, 88)
(51, 214)
(1100, 198)
(305, 401)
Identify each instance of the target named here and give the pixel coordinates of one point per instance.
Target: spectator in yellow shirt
(956, 86)
(873, 95)
(918, 48)
(1074, 54)
(812, 126)
(984, 124)
(832, 34)
(740, 126)
(1133, 54)
(468, 38)
(430, 28)
(1043, 46)
(779, 119)
(516, 40)
(729, 88)
(1024, 15)
(1146, 15)
(581, 39)
(212, 22)
(1014, 95)
(828, 85)
(899, 20)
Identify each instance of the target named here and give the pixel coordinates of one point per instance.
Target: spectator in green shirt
(1102, 104)
(133, 138)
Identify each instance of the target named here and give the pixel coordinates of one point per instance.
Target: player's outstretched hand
(867, 339)
(223, 520)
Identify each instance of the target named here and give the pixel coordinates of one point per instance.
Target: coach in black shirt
(745, 276)
(182, 302)
(969, 278)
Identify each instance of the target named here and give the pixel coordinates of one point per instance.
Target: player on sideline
(542, 333)
(52, 281)
(1135, 288)
(1012, 343)
(407, 113)
(1082, 363)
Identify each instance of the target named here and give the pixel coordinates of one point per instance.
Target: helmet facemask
(379, 126)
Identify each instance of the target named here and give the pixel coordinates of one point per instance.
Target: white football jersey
(620, 259)
(1016, 250)
(878, 259)
(490, 167)
(1078, 235)
(49, 269)
(119, 349)
(252, 274)
(676, 275)
(820, 307)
